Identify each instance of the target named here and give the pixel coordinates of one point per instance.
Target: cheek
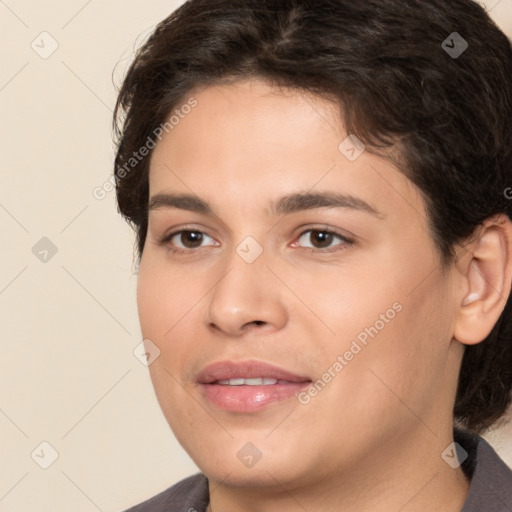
(392, 334)
(400, 362)
(165, 306)
(164, 299)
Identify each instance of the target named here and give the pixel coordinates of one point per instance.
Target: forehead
(250, 140)
(249, 118)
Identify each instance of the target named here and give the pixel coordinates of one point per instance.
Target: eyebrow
(285, 205)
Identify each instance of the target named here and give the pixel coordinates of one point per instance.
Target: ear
(486, 273)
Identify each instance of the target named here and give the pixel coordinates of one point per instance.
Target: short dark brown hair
(389, 66)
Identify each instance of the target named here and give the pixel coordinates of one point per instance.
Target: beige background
(68, 375)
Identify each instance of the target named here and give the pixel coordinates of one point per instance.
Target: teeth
(236, 382)
(255, 381)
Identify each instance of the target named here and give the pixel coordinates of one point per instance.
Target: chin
(260, 475)
(242, 462)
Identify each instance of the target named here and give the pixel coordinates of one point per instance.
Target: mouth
(255, 381)
(248, 386)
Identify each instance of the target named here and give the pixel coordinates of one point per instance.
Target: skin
(372, 439)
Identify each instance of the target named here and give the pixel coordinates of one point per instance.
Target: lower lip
(250, 398)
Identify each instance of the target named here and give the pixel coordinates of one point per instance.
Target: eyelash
(176, 250)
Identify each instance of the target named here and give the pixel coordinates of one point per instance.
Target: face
(297, 298)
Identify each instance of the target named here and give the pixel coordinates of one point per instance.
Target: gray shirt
(490, 489)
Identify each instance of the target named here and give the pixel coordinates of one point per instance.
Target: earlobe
(487, 275)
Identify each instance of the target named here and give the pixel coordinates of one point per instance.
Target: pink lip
(246, 398)
(245, 370)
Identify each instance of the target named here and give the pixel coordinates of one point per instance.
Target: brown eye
(184, 240)
(322, 239)
(190, 239)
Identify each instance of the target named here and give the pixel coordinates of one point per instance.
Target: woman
(319, 191)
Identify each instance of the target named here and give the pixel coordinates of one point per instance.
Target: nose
(247, 298)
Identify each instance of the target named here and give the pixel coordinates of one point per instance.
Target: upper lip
(223, 370)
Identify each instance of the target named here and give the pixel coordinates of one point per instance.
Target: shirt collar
(491, 479)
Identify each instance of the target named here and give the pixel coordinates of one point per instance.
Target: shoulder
(188, 495)
(491, 479)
